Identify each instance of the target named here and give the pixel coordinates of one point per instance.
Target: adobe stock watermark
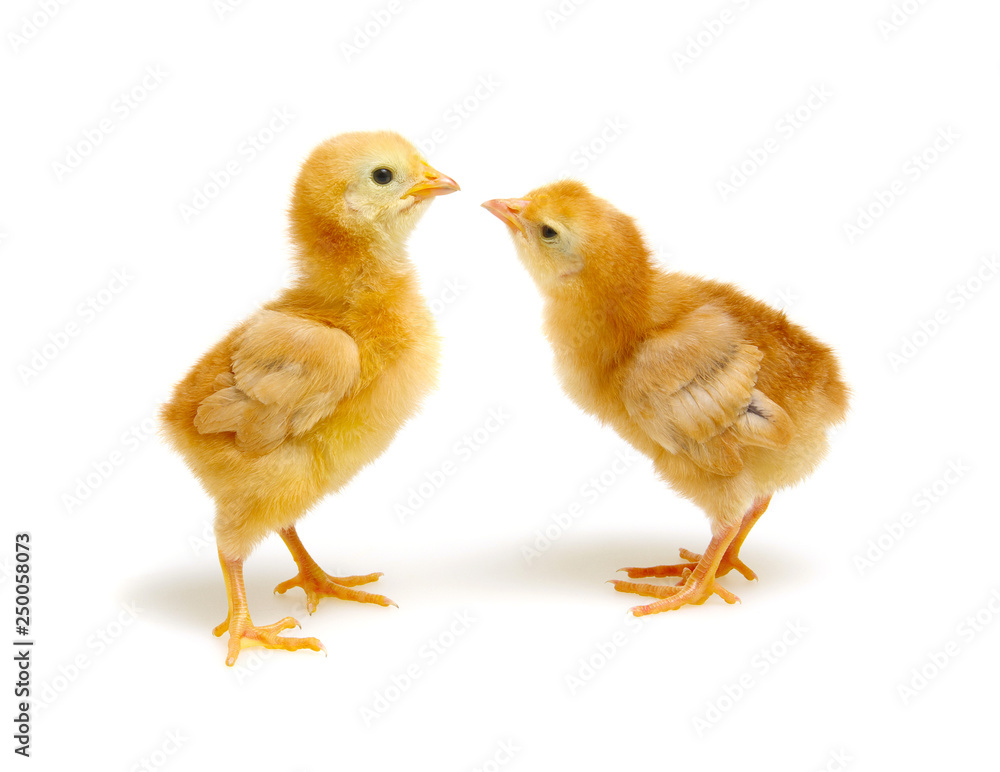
(457, 113)
(205, 540)
(97, 644)
(75, 496)
(586, 153)
(898, 17)
(591, 326)
(247, 151)
(913, 169)
(223, 8)
(121, 109)
(783, 298)
(923, 502)
(589, 493)
(162, 754)
(661, 252)
(366, 32)
(559, 14)
(428, 655)
(446, 297)
(761, 663)
(251, 662)
(785, 128)
(503, 754)
(603, 652)
(462, 452)
(86, 312)
(837, 761)
(32, 24)
(957, 298)
(940, 659)
(707, 34)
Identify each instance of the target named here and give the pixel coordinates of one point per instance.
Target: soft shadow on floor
(571, 567)
(592, 560)
(195, 599)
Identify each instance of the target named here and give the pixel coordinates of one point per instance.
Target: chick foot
(242, 630)
(698, 585)
(728, 563)
(730, 559)
(318, 584)
(675, 596)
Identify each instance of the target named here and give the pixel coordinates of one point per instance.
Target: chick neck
(597, 317)
(343, 266)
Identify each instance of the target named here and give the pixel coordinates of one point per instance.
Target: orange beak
(509, 210)
(433, 184)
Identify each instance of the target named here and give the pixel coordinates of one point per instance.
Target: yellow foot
(728, 563)
(243, 632)
(690, 591)
(318, 585)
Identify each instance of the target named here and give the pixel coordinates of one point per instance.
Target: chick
(729, 399)
(296, 399)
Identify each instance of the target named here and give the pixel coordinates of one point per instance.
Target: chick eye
(548, 232)
(382, 176)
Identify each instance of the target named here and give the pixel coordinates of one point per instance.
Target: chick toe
(318, 584)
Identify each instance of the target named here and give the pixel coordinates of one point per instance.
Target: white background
(547, 670)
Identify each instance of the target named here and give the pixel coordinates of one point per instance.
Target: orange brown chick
(729, 399)
(289, 405)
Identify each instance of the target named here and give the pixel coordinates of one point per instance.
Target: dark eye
(382, 176)
(548, 232)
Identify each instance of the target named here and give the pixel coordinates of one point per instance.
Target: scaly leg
(318, 584)
(697, 587)
(730, 560)
(241, 628)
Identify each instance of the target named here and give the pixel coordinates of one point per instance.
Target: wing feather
(287, 373)
(693, 390)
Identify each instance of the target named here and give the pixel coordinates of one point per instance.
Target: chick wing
(287, 373)
(692, 389)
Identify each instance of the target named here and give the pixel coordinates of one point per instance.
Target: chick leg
(698, 585)
(241, 628)
(730, 560)
(318, 584)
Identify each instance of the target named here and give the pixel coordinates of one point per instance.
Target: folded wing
(693, 390)
(286, 374)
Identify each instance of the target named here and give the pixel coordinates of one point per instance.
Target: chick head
(372, 187)
(571, 241)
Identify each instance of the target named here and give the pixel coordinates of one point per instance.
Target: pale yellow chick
(296, 399)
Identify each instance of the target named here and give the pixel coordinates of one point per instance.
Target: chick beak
(509, 210)
(433, 184)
